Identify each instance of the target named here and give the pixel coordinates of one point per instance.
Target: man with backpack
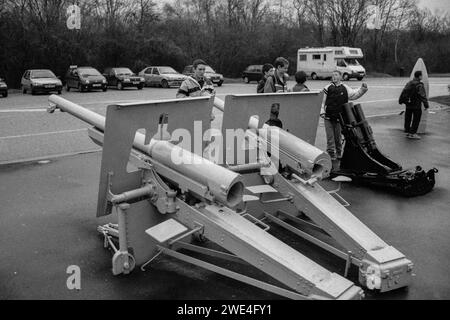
(413, 95)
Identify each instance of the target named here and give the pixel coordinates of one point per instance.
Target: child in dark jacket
(267, 71)
(300, 78)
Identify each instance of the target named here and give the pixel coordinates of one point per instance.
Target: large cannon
(160, 205)
(364, 163)
(297, 198)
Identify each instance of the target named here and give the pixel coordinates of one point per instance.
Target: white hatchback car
(162, 77)
(40, 80)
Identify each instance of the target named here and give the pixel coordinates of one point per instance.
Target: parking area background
(27, 131)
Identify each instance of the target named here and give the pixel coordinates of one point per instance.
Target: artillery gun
(161, 204)
(296, 201)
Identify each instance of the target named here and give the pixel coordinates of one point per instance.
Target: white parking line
(42, 134)
(375, 101)
(115, 101)
(22, 110)
(42, 109)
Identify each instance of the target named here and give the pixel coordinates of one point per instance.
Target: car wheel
(360, 78)
(119, 85)
(24, 91)
(140, 86)
(5, 94)
(59, 91)
(345, 77)
(67, 87)
(105, 88)
(32, 91)
(164, 83)
(314, 76)
(219, 84)
(80, 88)
(246, 80)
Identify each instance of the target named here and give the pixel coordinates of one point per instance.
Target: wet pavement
(47, 223)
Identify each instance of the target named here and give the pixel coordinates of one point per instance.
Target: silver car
(162, 77)
(40, 80)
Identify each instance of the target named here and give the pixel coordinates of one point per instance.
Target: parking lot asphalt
(28, 132)
(47, 223)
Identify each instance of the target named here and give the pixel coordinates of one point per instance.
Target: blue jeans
(334, 140)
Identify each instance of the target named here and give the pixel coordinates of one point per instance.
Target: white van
(321, 62)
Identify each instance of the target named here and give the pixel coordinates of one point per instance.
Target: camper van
(321, 62)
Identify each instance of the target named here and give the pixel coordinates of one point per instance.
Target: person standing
(414, 94)
(267, 71)
(300, 78)
(336, 96)
(274, 121)
(197, 85)
(277, 82)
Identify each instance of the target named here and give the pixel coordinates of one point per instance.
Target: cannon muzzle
(225, 185)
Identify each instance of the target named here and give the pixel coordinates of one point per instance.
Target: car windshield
(42, 74)
(86, 72)
(352, 62)
(208, 69)
(167, 70)
(123, 71)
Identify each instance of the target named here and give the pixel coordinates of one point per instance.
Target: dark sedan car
(252, 73)
(85, 79)
(122, 78)
(3, 88)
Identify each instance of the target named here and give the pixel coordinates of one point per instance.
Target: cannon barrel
(296, 153)
(225, 185)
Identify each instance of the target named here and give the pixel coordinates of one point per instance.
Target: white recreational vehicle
(321, 62)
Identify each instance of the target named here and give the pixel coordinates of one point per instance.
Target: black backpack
(409, 93)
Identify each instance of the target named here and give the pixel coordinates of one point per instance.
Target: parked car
(85, 79)
(40, 80)
(122, 78)
(215, 77)
(162, 76)
(252, 73)
(3, 88)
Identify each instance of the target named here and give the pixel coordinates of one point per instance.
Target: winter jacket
(192, 87)
(336, 95)
(419, 96)
(275, 84)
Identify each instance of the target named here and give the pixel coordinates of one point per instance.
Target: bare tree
(301, 11)
(317, 10)
(346, 19)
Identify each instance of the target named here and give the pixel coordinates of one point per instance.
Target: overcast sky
(441, 5)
